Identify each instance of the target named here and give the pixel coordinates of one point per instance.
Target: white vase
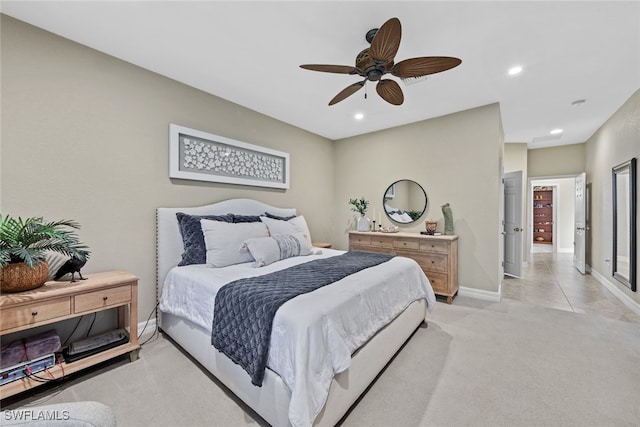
(363, 223)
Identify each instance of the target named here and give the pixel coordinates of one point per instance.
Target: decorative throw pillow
(195, 251)
(282, 218)
(292, 226)
(256, 218)
(245, 218)
(225, 241)
(267, 250)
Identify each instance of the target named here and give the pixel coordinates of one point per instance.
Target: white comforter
(313, 334)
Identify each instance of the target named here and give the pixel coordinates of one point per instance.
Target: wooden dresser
(437, 255)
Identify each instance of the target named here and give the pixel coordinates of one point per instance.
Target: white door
(513, 224)
(579, 232)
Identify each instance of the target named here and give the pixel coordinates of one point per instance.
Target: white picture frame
(203, 156)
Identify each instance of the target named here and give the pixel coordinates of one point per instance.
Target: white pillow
(224, 241)
(292, 226)
(267, 250)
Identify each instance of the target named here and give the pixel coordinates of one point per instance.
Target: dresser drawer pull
(105, 298)
(34, 313)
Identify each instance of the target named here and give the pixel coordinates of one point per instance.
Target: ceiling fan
(377, 60)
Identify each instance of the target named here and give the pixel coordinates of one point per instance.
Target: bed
(339, 349)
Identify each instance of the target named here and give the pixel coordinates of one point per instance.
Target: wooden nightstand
(321, 245)
(57, 301)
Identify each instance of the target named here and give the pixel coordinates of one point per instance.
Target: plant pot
(363, 223)
(17, 277)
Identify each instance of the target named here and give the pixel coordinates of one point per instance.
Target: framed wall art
(203, 156)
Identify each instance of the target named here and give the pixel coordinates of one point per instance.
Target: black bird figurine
(72, 266)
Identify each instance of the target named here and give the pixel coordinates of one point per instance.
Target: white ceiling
(249, 53)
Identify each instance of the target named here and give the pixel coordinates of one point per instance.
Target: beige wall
(554, 161)
(85, 137)
(456, 159)
(617, 141)
(515, 158)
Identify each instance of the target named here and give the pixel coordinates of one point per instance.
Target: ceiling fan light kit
(377, 60)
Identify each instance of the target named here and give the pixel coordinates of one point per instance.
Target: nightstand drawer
(102, 298)
(33, 314)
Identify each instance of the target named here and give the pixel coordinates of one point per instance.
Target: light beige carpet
(474, 364)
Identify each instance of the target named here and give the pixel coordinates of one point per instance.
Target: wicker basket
(18, 277)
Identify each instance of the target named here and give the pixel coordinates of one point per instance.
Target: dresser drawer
(382, 243)
(433, 262)
(360, 240)
(406, 244)
(103, 298)
(33, 314)
(439, 282)
(434, 246)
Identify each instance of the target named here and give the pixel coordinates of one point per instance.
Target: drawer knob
(34, 313)
(105, 298)
(433, 262)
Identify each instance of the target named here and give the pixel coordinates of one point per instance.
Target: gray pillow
(195, 251)
(282, 218)
(245, 218)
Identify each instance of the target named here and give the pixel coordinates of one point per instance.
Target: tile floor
(552, 281)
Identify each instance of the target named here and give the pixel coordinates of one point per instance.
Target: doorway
(562, 222)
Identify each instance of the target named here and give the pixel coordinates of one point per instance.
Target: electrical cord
(155, 331)
(92, 322)
(31, 375)
(73, 331)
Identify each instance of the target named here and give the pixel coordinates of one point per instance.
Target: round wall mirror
(405, 201)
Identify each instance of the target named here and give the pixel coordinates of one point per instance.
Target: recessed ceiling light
(515, 70)
(556, 131)
(358, 116)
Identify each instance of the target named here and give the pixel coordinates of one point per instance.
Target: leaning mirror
(624, 223)
(405, 201)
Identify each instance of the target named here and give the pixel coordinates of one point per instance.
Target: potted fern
(24, 244)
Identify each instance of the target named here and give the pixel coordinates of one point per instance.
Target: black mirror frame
(631, 280)
(424, 209)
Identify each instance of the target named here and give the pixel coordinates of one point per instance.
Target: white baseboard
(624, 298)
(151, 327)
(480, 294)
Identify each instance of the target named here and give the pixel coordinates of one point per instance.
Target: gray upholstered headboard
(169, 245)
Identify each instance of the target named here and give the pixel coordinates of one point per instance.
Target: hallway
(552, 281)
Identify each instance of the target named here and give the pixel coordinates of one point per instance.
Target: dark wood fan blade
(346, 92)
(416, 67)
(390, 91)
(384, 45)
(340, 69)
